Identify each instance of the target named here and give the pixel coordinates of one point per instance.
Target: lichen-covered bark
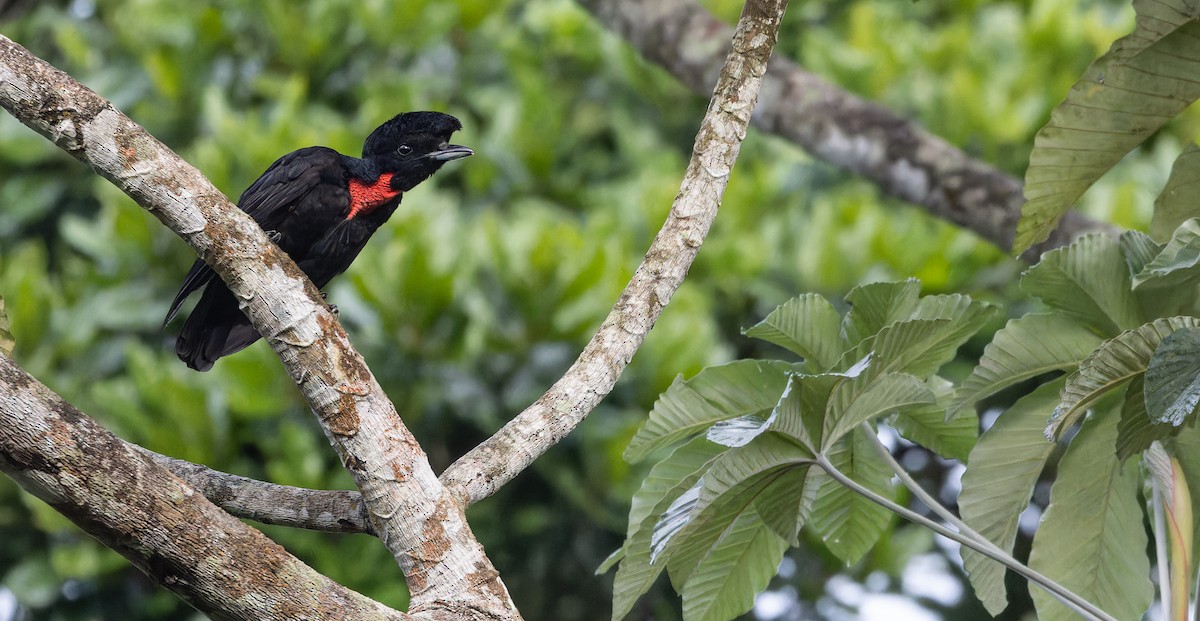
(482, 471)
(847, 131)
(419, 522)
(138, 508)
(334, 511)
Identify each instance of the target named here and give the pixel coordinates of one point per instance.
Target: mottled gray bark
(897, 154)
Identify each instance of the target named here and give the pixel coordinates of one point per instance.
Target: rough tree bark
(423, 526)
(860, 136)
(136, 507)
(448, 574)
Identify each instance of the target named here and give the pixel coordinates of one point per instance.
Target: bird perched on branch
(320, 207)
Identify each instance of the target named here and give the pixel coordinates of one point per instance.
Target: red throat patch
(366, 197)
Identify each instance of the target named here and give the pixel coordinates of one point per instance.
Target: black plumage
(320, 207)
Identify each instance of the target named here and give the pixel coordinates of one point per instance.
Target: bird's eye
(404, 149)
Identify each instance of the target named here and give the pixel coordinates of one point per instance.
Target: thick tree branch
(136, 507)
(897, 154)
(333, 511)
(420, 523)
(484, 469)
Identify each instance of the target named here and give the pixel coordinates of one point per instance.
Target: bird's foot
(274, 236)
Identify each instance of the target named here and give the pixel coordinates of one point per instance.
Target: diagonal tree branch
(333, 511)
(897, 154)
(136, 507)
(420, 523)
(479, 473)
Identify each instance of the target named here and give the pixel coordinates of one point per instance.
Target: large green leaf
(1088, 280)
(737, 567)
(781, 504)
(1177, 201)
(741, 388)
(1135, 431)
(848, 523)
(689, 527)
(1092, 539)
(801, 410)
(890, 393)
(1173, 378)
(1115, 362)
(1025, 348)
(687, 462)
(807, 325)
(927, 425)
(637, 573)
(1138, 249)
(1144, 81)
(6, 337)
(1177, 263)
(876, 305)
(1000, 477)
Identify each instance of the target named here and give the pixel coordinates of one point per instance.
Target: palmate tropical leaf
(1135, 430)
(1144, 81)
(636, 573)
(1173, 378)
(927, 425)
(894, 392)
(806, 325)
(1177, 201)
(1092, 539)
(1025, 348)
(1115, 362)
(848, 523)
(1177, 263)
(1088, 280)
(723, 392)
(876, 305)
(738, 566)
(1000, 477)
(1138, 249)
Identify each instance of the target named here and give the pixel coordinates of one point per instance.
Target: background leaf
(1087, 280)
(1115, 362)
(997, 485)
(807, 325)
(1145, 80)
(1092, 539)
(1177, 201)
(740, 565)
(722, 392)
(848, 523)
(1025, 348)
(1173, 378)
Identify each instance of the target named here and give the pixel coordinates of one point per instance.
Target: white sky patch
(927, 575)
(8, 605)
(887, 607)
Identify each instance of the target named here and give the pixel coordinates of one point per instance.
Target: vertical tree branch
(479, 473)
(136, 507)
(419, 522)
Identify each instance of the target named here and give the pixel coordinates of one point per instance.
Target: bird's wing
(269, 200)
(274, 195)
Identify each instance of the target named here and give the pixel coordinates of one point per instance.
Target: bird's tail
(215, 328)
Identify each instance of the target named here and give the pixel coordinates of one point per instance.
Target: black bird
(320, 207)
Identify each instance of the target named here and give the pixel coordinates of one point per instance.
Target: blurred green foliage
(485, 284)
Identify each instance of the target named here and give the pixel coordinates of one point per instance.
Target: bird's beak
(451, 152)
